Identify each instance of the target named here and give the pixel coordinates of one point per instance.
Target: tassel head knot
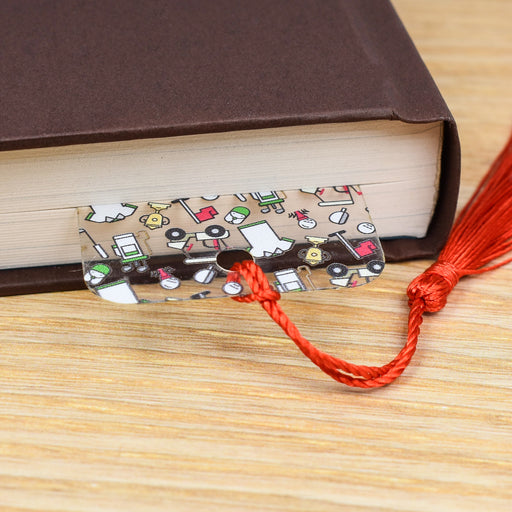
(434, 285)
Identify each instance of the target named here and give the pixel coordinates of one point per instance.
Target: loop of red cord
(482, 233)
(351, 374)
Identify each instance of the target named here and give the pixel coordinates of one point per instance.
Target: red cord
(340, 370)
(482, 233)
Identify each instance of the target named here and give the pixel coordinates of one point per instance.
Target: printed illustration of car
(341, 275)
(211, 237)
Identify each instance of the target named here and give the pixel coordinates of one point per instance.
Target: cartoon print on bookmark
(288, 280)
(334, 196)
(366, 228)
(97, 274)
(213, 236)
(187, 259)
(128, 248)
(269, 199)
(118, 291)
(264, 241)
(241, 197)
(362, 249)
(341, 275)
(166, 279)
(314, 255)
(231, 287)
(97, 247)
(237, 215)
(339, 216)
(303, 220)
(206, 275)
(202, 215)
(110, 212)
(178, 238)
(155, 220)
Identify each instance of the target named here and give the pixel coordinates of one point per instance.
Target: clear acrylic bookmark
(181, 249)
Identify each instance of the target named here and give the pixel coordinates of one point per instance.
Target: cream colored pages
(41, 187)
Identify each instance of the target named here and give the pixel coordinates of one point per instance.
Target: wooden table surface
(208, 406)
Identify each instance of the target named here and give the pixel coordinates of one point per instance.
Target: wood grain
(207, 406)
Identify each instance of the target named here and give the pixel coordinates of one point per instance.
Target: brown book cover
(103, 70)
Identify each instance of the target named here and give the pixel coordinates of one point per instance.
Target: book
(135, 101)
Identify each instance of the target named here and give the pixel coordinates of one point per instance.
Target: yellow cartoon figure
(314, 255)
(155, 220)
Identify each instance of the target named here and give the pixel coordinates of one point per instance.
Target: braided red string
(340, 370)
(482, 233)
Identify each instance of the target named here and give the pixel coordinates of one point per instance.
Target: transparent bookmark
(180, 249)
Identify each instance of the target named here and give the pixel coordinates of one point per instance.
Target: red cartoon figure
(303, 220)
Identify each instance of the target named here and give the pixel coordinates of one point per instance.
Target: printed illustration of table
(206, 405)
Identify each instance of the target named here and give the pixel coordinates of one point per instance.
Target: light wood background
(207, 406)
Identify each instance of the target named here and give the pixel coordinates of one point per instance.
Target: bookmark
(183, 249)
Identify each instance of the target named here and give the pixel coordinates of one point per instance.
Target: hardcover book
(123, 102)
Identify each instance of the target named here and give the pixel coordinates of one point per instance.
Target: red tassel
(481, 234)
